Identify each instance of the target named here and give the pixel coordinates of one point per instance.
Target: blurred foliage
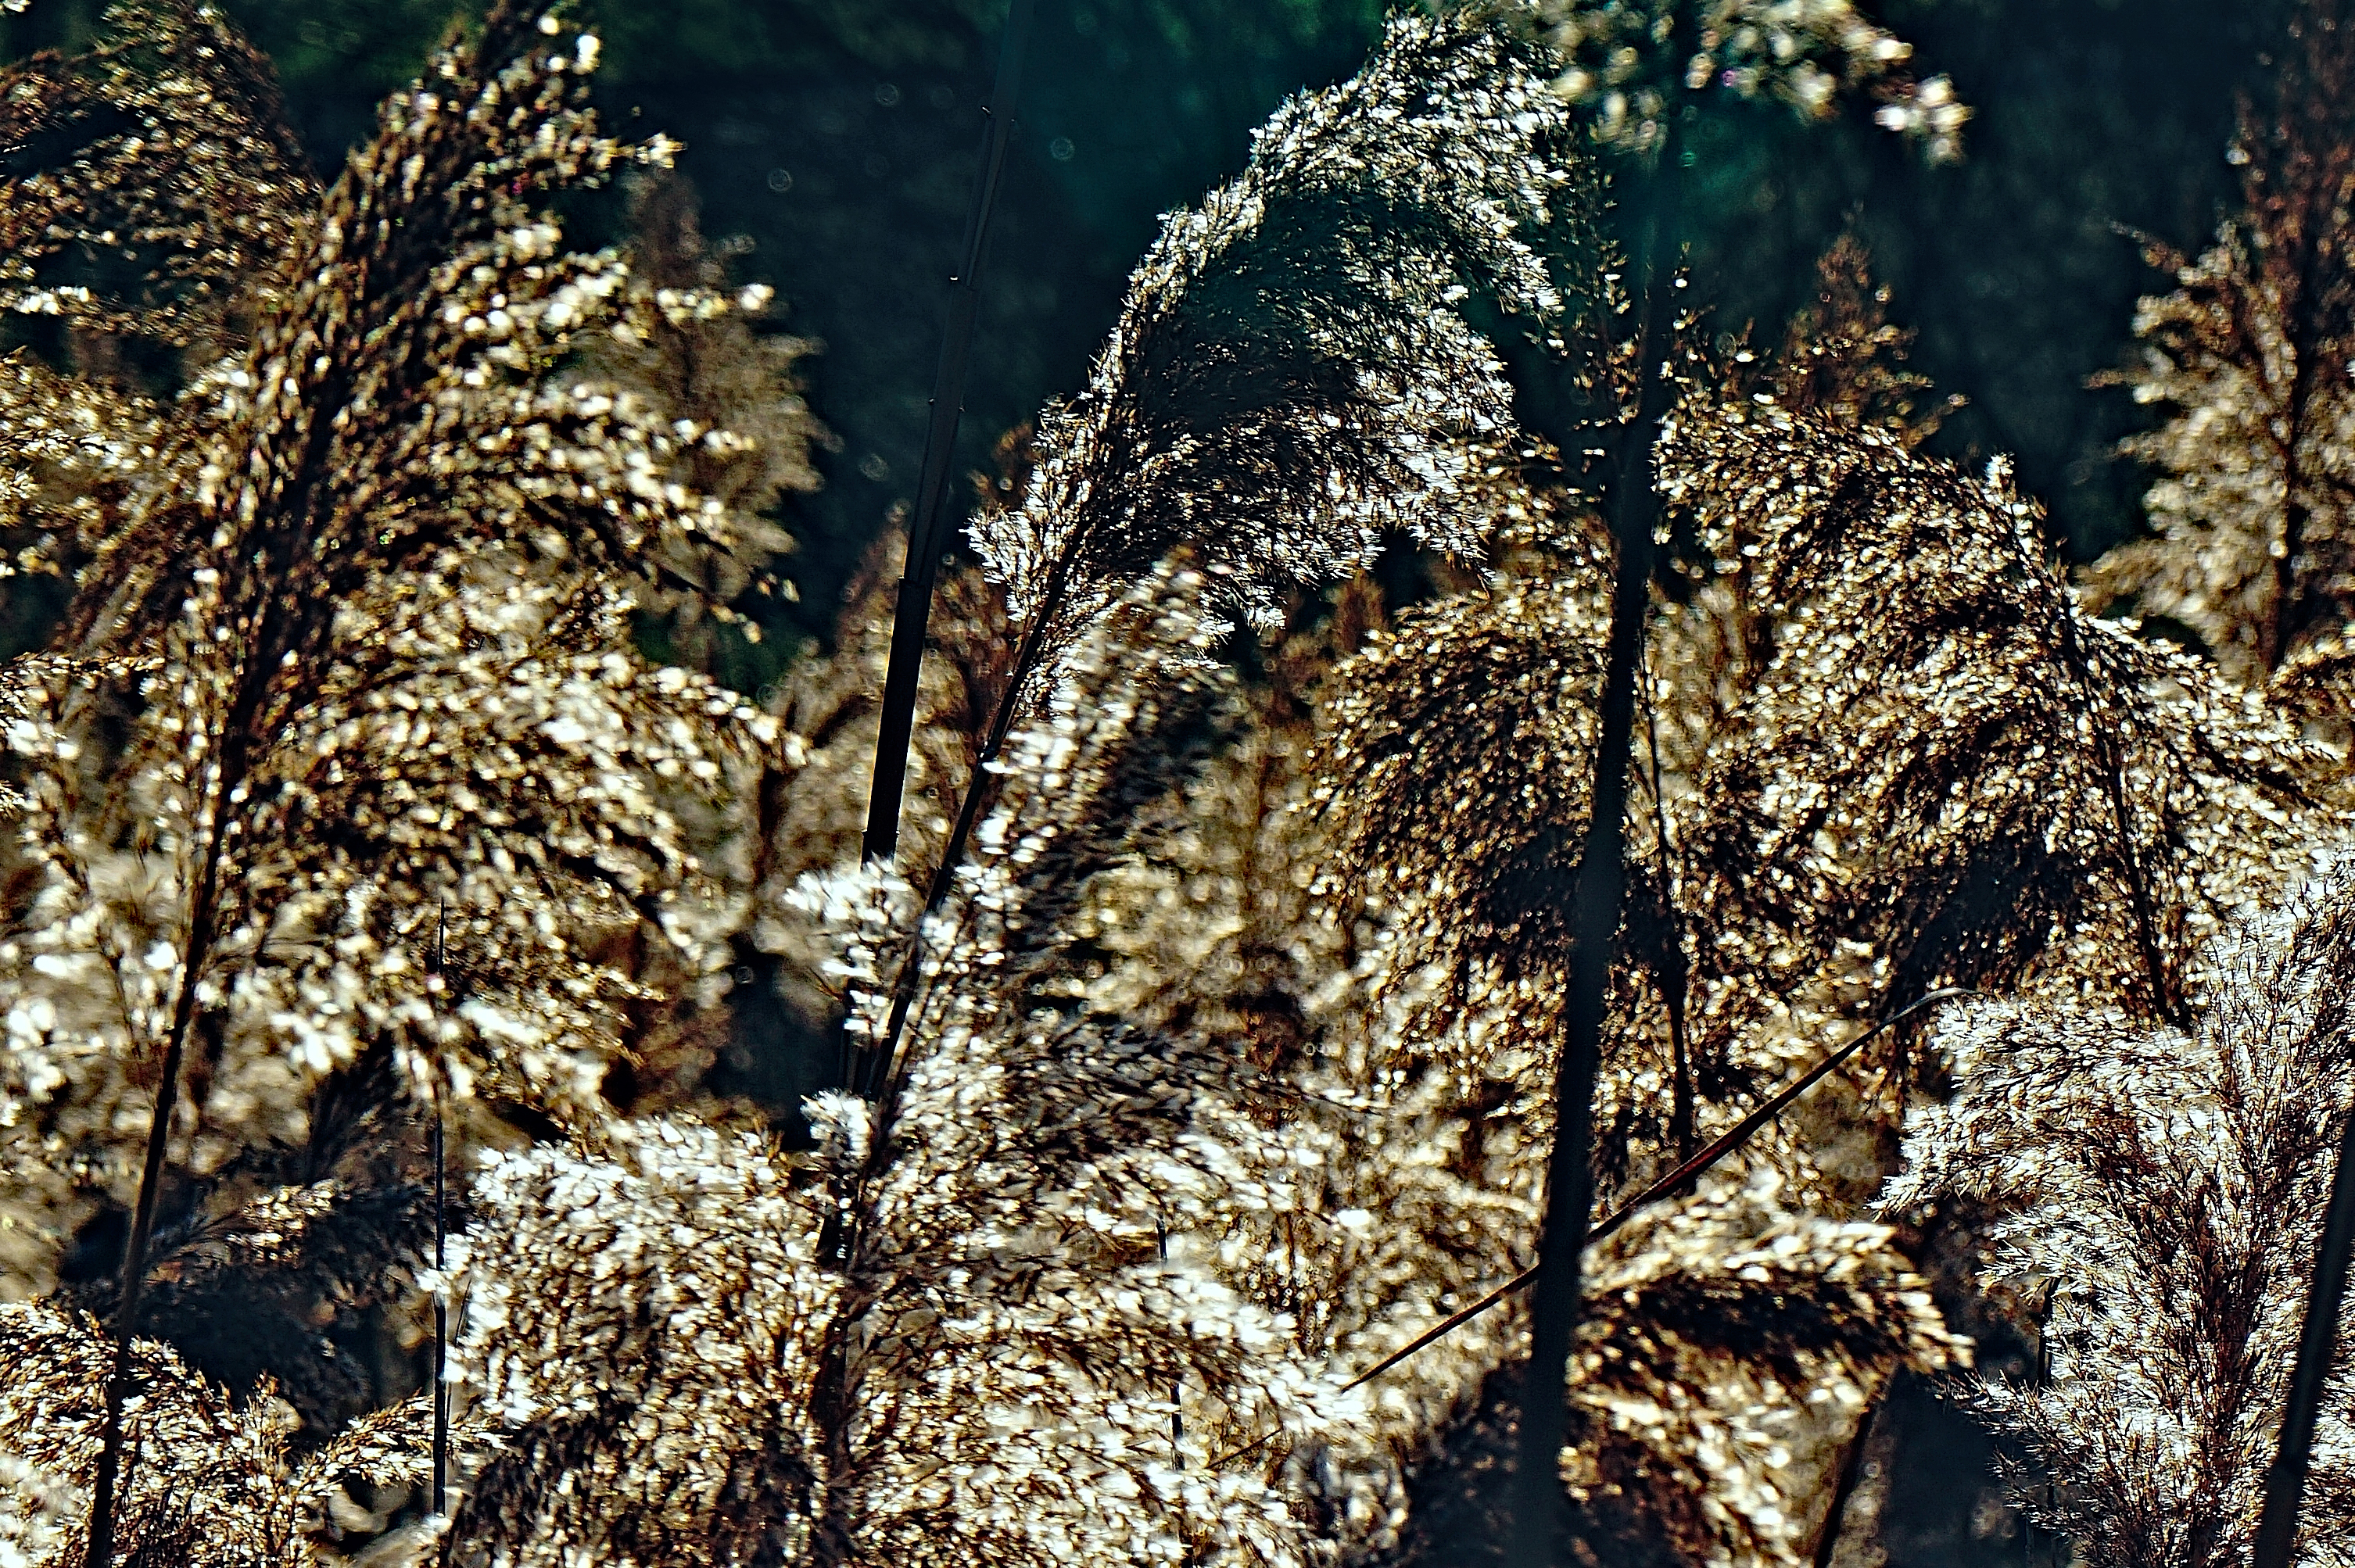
(839, 137)
(2091, 115)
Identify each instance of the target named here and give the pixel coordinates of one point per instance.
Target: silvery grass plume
(732, 395)
(1454, 748)
(1884, 750)
(1290, 379)
(1841, 357)
(1005, 1365)
(217, 1485)
(1723, 1332)
(386, 769)
(1032, 1161)
(2168, 1188)
(1291, 366)
(2253, 506)
(1629, 62)
(149, 195)
(347, 755)
(640, 1315)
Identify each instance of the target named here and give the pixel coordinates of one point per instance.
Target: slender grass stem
(441, 1334)
(1676, 1180)
(1532, 1517)
(896, 728)
(2285, 1481)
(202, 916)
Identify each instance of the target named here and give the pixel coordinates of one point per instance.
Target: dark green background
(839, 135)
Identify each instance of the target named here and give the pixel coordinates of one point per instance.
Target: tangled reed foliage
(1629, 63)
(991, 1372)
(1412, 1199)
(1719, 1333)
(1289, 377)
(1449, 744)
(288, 1250)
(1453, 753)
(218, 1487)
(1936, 761)
(347, 715)
(2168, 1189)
(2253, 509)
(1085, 1178)
(1885, 750)
(347, 727)
(1725, 1328)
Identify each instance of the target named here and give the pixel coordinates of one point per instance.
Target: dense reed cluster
(2165, 1188)
(390, 857)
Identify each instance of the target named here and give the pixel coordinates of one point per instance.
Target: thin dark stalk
(440, 1294)
(1178, 1383)
(880, 1072)
(913, 616)
(1851, 1476)
(1533, 1514)
(203, 912)
(1675, 1180)
(1672, 984)
(2285, 1481)
(276, 626)
(441, 1334)
(279, 624)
